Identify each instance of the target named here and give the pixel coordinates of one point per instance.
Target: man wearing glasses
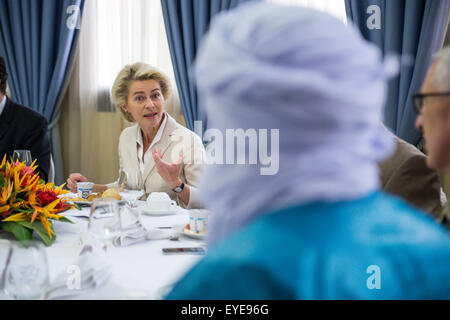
(22, 128)
(433, 107)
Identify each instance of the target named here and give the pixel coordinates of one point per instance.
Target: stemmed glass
(26, 274)
(23, 156)
(131, 184)
(104, 220)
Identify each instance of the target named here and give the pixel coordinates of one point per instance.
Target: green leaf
(40, 230)
(77, 206)
(2, 180)
(21, 233)
(21, 196)
(64, 219)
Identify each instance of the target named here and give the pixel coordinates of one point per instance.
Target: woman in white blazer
(168, 155)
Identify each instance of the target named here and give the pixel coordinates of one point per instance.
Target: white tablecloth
(139, 271)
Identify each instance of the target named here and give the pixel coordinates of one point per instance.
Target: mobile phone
(195, 250)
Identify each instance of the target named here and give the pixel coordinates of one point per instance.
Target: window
(122, 32)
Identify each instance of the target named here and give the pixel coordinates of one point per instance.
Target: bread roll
(112, 193)
(94, 196)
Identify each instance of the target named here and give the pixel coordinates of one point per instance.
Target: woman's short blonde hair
(136, 72)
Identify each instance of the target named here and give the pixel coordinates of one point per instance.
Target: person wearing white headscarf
(318, 227)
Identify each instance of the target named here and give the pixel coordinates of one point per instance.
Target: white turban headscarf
(268, 66)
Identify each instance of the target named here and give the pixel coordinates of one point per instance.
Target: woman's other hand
(73, 179)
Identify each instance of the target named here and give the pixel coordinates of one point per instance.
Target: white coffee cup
(198, 220)
(84, 189)
(160, 201)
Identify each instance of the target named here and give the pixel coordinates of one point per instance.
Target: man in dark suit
(22, 128)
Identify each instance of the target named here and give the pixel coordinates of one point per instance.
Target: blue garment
(327, 251)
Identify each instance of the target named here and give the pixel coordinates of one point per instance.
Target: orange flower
(24, 197)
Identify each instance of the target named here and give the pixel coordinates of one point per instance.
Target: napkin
(133, 231)
(89, 271)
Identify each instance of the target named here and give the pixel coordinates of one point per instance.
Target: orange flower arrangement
(29, 204)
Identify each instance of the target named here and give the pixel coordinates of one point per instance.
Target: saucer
(193, 235)
(73, 198)
(165, 212)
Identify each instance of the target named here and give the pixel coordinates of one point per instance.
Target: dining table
(137, 271)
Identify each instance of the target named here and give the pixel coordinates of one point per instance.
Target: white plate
(81, 203)
(140, 203)
(190, 234)
(147, 211)
(76, 213)
(70, 196)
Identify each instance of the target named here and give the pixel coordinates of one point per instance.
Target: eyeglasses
(418, 99)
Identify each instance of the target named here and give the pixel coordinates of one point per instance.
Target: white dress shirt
(140, 145)
(2, 104)
(175, 139)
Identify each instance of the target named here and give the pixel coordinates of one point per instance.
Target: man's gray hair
(442, 71)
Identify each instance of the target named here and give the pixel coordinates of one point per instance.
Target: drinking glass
(23, 156)
(104, 221)
(26, 275)
(131, 184)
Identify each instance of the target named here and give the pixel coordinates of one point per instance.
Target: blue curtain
(186, 21)
(38, 41)
(410, 28)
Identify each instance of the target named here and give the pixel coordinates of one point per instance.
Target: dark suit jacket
(407, 175)
(24, 128)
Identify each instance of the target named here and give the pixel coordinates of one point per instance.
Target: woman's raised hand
(169, 172)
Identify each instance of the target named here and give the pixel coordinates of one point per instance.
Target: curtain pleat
(413, 30)
(186, 22)
(38, 45)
